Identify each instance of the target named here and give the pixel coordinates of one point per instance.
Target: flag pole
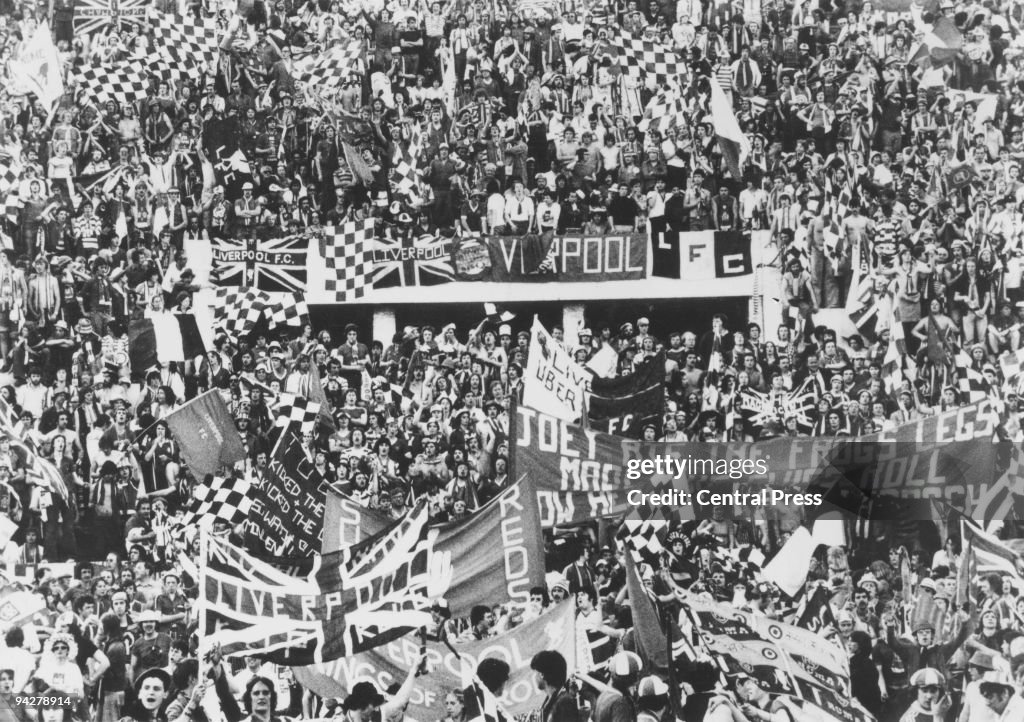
(673, 681)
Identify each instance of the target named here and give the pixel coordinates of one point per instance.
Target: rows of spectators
(890, 185)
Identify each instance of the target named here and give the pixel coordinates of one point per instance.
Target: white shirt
(655, 204)
(495, 210)
(519, 209)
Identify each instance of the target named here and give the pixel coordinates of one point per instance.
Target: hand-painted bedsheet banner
(583, 474)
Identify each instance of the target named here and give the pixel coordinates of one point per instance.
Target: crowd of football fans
(887, 174)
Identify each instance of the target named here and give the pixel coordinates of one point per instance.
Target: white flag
(554, 384)
(37, 68)
(788, 568)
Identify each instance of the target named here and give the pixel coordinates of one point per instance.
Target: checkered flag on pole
(642, 539)
(973, 386)
(10, 171)
(228, 500)
(642, 58)
(329, 70)
(346, 256)
(123, 82)
(405, 162)
(289, 309)
(665, 109)
(238, 310)
(295, 409)
(187, 40)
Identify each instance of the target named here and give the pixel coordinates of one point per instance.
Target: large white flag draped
(37, 68)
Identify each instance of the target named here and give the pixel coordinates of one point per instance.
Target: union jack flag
(408, 261)
(277, 264)
(95, 15)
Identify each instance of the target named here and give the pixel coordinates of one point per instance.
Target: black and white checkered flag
(642, 539)
(238, 309)
(187, 40)
(331, 68)
(346, 252)
(290, 408)
(124, 82)
(225, 499)
(289, 309)
(643, 58)
(10, 171)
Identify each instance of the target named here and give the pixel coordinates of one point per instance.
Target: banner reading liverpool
(402, 259)
(92, 16)
(276, 264)
(358, 603)
(496, 554)
(554, 630)
(572, 258)
(584, 474)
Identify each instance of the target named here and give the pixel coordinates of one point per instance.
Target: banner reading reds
(583, 474)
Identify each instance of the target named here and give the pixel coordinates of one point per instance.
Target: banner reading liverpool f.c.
(277, 264)
(496, 554)
(582, 474)
(554, 630)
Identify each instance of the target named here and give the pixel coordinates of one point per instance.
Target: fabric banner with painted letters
(702, 255)
(288, 503)
(553, 383)
(496, 554)
(345, 606)
(570, 258)
(553, 630)
(582, 474)
(626, 404)
(347, 522)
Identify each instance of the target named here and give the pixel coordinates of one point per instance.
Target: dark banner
(582, 474)
(625, 404)
(546, 258)
(288, 503)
